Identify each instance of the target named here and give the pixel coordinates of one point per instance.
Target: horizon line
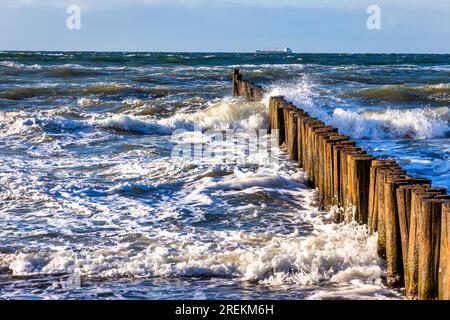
(225, 52)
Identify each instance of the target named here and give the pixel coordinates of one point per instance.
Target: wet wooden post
(360, 173)
(274, 102)
(292, 146)
(311, 158)
(320, 168)
(286, 110)
(412, 273)
(321, 134)
(327, 141)
(347, 186)
(302, 133)
(403, 195)
(373, 195)
(281, 122)
(429, 236)
(444, 261)
(302, 116)
(241, 86)
(417, 196)
(338, 184)
(315, 156)
(394, 260)
(382, 173)
(332, 147)
(235, 82)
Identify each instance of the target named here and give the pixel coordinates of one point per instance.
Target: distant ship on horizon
(275, 51)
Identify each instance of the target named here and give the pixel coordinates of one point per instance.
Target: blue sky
(226, 25)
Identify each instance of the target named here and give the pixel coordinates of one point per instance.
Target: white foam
(413, 123)
(133, 124)
(339, 254)
(16, 65)
(87, 102)
(391, 123)
(226, 114)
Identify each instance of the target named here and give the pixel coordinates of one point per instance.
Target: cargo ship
(275, 51)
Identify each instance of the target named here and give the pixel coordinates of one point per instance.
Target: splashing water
(93, 205)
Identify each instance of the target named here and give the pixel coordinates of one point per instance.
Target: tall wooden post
(444, 261)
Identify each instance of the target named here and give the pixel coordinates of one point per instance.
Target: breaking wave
(224, 114)
(390, 123)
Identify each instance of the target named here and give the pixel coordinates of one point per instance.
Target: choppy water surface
(92, 205)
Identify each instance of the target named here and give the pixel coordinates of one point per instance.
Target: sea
(94, 204)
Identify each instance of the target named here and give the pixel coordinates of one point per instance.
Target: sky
(406, 26)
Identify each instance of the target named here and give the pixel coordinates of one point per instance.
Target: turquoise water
(93, 205)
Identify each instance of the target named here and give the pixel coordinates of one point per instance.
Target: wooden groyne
(410, 217)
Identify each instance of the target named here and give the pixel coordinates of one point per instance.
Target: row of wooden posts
(411, 218)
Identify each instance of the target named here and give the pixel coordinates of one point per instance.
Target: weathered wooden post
(360, 179)
(281, 121)
(393, 239)
(429, 237)
(418, 195)
(274, 102)
(347, 176)
(293, 135)
(444, 261)
(235, 82)
(320, 168)
(338, 164)
(373, 194)
(302, 116)
(382, 173)
(332, 146)
(403, 194)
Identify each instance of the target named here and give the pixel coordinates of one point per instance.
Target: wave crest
(391, 123)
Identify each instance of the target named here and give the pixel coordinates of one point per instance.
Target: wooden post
(273, 112)
(360, 173)
(382, 173)
(338, 161)
(429, 237)
(281, 122)
(320, 164)
(235, 82)
(417, 196)
(373, 204)
(347, 185)
(302, 116)
(444, 261)
(403, 194)
(332, 163)
(293, 135)
(393, 241)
